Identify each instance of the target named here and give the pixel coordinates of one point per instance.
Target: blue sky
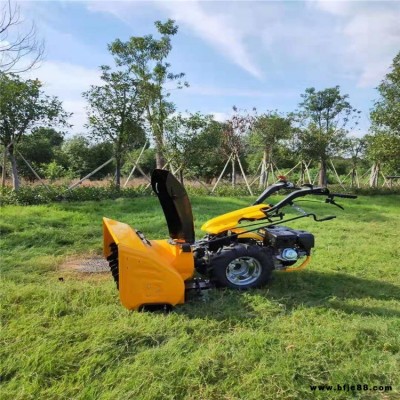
(249, 54)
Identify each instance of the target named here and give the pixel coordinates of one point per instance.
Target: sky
(261, 54)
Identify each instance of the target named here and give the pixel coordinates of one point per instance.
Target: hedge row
(30, 195)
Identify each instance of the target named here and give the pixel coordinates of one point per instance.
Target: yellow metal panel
(144, 279)
(149, 273)
(230, 220)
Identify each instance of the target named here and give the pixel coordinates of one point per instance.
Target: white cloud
(204, 90)
(217, 30)
(67, 82)
(221, 116)
(370, 34)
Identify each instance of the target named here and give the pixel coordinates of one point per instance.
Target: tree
(80, 157)
(19, 51)
(190, 140)
(233, 136)
(383, 143)
(324, 117)
(41, 147)
(356, 149)
(144, 57)
(114, 114)
(24, 107)
(383, 149)
(386, 112)
(269, 129)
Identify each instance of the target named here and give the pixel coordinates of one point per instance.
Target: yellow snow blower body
(234, 254)
(149, 272)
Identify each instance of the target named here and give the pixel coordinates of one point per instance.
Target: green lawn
(337, 322)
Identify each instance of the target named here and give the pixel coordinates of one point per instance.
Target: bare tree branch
(20, 51)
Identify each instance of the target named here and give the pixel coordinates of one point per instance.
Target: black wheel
(241, 267)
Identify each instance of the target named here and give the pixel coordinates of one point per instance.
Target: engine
(288, 244)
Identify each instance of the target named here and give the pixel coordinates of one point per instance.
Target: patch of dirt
(86, 267)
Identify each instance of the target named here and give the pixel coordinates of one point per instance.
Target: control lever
(322, 219)
(326, 218)
(331, 201)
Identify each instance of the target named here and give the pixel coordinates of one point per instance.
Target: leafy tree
(80, 157)
(114, 114)
(24, 107)
(268, 131)
(182, 146)
(144, 57)
(324, 117)
(386, 112)
(208, 157)
(19, 50)
(356, 149)
(383, 149)
(147, 161)
(383, 143)
(40, 148)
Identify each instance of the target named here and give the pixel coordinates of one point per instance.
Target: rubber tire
(222, 259)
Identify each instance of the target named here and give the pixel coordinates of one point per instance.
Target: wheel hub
(243, 270)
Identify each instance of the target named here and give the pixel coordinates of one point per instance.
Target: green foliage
(269, 129)
(80, 157)
(386, 112)
(336, 322)
(324, 117)
(53, 171)
(24, 107)
(41, 147)
(147, 161)
(144, 58)
(31, 195)
(194, 144)
(384, 147)
(115, 114)
(208, 157)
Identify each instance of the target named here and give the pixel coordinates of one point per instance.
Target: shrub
(30, 195)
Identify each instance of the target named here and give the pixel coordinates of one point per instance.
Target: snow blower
(240, 249)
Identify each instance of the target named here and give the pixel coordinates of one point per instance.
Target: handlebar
(344, 196)
(294, 195)
(270, 190)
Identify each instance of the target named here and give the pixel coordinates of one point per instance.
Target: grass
(337, 322)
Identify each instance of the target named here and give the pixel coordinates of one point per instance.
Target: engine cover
(280, 237)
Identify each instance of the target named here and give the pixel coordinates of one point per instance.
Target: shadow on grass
(288, 292)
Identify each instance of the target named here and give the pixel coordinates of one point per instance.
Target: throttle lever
(326, 218)
(331, 201)
(321, 219)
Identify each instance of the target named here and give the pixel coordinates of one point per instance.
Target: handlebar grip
(344, 196)
(328, 218)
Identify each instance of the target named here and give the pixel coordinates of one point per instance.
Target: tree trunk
(118, 172)
(302, 173)
(353, 176)
(322, 179)
(263, 170)
(160, 160)
(3, 171)
(233, 172)
(374, 177)
(14, 169)
(181, 175)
